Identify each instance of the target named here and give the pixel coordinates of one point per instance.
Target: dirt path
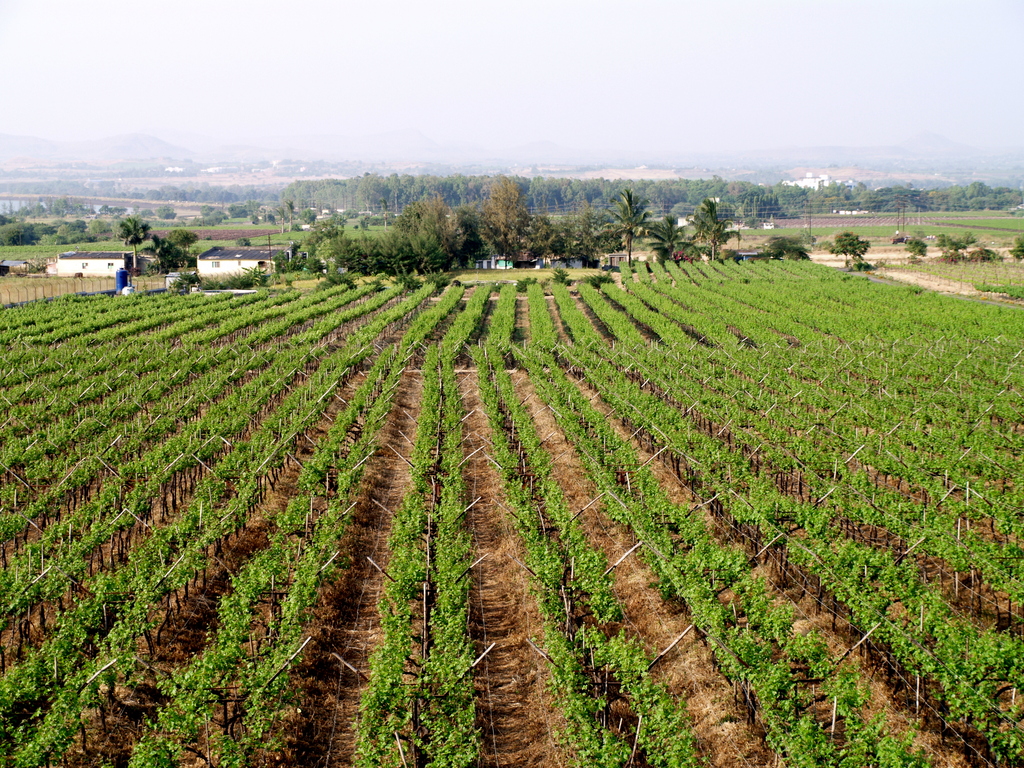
(931, 282)
(514, 711)
(724, 737)
(345, 621)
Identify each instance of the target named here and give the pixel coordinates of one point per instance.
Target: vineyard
(758, 514)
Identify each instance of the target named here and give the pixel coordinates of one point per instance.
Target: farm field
(1004, 279)
(752, 514)
(999, 231)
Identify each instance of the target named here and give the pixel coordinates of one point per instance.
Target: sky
(651, 75)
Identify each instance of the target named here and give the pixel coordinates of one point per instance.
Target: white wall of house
(493, 264)
(105, 267)
(223, 267)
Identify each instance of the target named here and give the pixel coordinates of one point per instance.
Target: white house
(218, 262)
(93, 263)
(495, 262)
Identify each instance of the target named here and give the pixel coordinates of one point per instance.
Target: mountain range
(924, 151)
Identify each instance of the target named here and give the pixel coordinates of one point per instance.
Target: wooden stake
(673, 645)
(614, 565)
(857, 644)
(385, 573)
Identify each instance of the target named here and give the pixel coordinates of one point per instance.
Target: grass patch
(1013, 291)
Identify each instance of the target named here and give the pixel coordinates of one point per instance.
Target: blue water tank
(120, 279)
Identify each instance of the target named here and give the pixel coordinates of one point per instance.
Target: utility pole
(901, 208)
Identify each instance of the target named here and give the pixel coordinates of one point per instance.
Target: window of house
(215, 264)
(110, 265)
(85, 265)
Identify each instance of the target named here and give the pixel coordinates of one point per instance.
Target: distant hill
(924, 157)
(131, 146)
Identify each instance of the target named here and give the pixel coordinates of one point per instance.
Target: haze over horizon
(656, 77)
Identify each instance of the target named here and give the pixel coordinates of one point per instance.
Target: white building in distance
(219, 262)
(92, 263)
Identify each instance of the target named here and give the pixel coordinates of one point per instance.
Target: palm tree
(668, 237)
(133, 231)
(166, 253)
(709, 229)
(629, 220)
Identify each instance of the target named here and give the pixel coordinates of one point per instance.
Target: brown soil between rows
(521, 334)
(811, 617)
(516, 716)
(720, 725)
(174, 494)
(187, 619)
(345, 621)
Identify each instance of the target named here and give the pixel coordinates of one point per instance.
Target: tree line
(680, 197)
(429, 235)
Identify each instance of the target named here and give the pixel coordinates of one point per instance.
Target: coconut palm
(667, 237)
(709, 228)
(630, 219)
(133, 231)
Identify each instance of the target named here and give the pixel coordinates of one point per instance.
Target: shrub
(599, 279)
(524, 285)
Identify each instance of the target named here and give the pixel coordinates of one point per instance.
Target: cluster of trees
(740, 199)
(168, 253)
(681, 197)
(965, 247)
(58, 207)
(13, 232)
(432, 236)
(206, 193)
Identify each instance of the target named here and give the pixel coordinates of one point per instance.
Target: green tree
(544, 238)
(587, 233)
(709, 228)
(471, 225)
(630, 219)
(133, 231)
(99, 227)
(953, 246)
(184, 239)
(165, 212)
(434, 218)
(1017, 251)
(851, 247)
(781, 247)
(666, 237)
(981, 253)
(917, 248)
(166, 255)
(505, 218)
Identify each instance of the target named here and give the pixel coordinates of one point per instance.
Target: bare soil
(724, 736)
(892, 701)
(346, 624)
(515, 713)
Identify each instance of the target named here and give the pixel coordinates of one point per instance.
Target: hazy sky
(663, 75)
